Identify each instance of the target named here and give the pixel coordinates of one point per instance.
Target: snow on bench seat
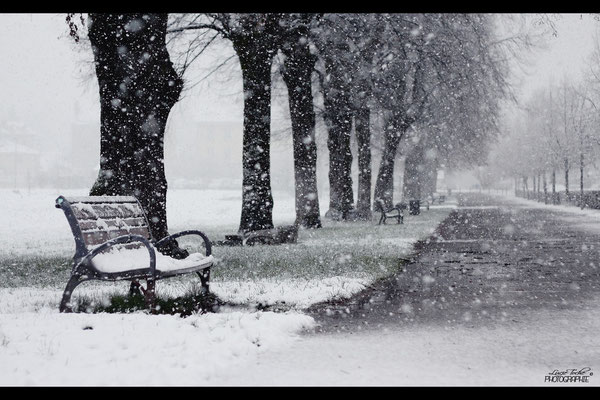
(120, 259)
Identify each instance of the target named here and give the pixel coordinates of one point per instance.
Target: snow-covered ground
(520, 351)
(39, 346)
(47, 348)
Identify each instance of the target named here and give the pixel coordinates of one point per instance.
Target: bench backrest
(96, 219)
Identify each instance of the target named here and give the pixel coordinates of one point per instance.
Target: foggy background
(50, 114)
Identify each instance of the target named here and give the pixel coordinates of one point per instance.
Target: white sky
(41, 78)
(565, 54)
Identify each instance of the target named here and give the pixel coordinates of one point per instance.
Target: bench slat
(85, 211)
(93, 238)
(111, 224)
(101, 199)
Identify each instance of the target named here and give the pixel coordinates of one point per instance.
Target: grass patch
(261, 274)
(195, 302)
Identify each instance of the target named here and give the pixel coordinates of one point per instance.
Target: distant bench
(113, 242)
(396, 212)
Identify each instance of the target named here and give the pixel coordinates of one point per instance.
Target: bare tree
(138, 87)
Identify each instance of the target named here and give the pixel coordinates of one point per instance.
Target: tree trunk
(429, 177)
(297, 72)
(138, 87)
(363, 139)
(554, 199)
(581, 200)
(545, 189)
(257, 198)
(567, 178)
(414, 174)
(338, 118)
(384, 185)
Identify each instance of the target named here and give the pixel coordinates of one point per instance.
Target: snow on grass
(40, 346)
(297, 293)
(48, 348)
(336, 261)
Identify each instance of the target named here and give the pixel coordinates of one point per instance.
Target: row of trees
(556, 133)
(436, 80)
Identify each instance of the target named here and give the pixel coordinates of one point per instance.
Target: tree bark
(545, 188)
(414, 174)
(581, 201)
(363, 139)
(554, 199)
(138, 87)
(338, 115)
(384, 185)
(567, 178)
(297, 75)
(257, 198)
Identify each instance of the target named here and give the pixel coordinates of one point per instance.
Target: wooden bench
(113, 243)
(396, 212)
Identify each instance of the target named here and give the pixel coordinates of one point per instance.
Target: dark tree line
(434, 78)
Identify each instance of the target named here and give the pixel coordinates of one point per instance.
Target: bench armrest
(120, 240)
(174, 236)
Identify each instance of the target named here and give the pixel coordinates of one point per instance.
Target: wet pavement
(491, 260)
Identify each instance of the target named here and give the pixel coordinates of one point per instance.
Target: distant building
(19, 165)
(19, 157)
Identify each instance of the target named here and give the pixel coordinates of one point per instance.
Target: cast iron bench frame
(84, 270)
(389, 213)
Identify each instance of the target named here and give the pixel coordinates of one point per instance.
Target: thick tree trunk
(384, 185)
(415, 174)
(257, 198)
(363, 139)
(338, 118)
(297, 72)
(138, 87)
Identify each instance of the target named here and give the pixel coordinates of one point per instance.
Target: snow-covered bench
(113, 242)
(396, 212)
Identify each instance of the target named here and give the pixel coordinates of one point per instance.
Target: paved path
(489, 260)
(504, 294)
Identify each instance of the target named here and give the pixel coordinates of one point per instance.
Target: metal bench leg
(65, 303)
(135, 288)
(149, 293)
(204, 279)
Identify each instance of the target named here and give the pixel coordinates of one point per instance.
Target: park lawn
(333, 262)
